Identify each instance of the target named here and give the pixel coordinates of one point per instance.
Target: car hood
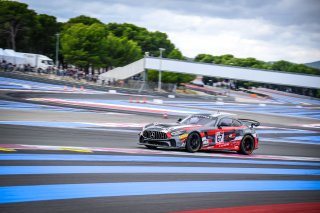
(169, 126)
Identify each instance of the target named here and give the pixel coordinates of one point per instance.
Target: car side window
(226, 122)
(236, 123)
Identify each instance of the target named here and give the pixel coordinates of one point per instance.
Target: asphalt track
(144, 185)
(75, 161)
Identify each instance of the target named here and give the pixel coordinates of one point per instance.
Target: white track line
(156, 152)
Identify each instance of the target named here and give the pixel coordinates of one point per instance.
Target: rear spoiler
(250, 122)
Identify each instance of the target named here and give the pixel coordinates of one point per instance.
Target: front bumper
(173, 142)
(158, 143)
(159, 138)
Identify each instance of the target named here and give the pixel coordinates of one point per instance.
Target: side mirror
(179, 120)
(219, 126)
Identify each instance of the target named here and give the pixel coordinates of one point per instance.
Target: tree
(44, 35)
(16, 22)
(148, 41)
(92, 45)
(79, 44)
(171, 77)
(281, 65)
(86, 20)
(205, 58)
(115, 52)
(291, 67)
(176, 54)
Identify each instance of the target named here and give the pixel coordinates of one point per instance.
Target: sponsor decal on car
(205, 141)
(219, 137)
(183, 136)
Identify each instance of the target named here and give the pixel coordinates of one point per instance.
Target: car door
(226, 131)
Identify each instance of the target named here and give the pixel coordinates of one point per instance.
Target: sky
(269, 30)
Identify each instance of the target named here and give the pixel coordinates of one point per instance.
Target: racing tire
(151, 147)
(193, 142)
(246, 145)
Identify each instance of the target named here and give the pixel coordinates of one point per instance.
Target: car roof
(217, 114)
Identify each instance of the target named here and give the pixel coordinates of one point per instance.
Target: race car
(218, 131)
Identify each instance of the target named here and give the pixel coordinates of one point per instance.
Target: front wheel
(247, 145)
(193, 142)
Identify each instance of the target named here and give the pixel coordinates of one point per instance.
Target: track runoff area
(71, 151)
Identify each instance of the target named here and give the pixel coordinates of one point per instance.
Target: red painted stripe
(275, 208)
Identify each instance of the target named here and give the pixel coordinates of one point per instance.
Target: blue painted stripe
(49, 124)
(112, 129)
(170, 109)
(128, 158)
(25, 84)
(311, 112)
(316, 116)
(269, 109)
(287, 140)
(12, 194)
(291, 111)
(23, 170)
(314, 138)
(20, 83)
(11, 87)
(284, 131)
(74, 125)
(29, 106)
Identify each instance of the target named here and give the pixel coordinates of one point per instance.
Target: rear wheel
(193, 142)
(247, 145)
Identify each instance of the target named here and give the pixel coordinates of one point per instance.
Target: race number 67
(219, 137)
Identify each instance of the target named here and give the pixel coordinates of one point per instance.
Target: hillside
(315, 64)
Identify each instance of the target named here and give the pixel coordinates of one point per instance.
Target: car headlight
(178, 132)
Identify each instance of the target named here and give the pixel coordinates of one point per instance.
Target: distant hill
(315, 64)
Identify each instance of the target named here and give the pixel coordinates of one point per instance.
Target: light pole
(160, 67)
(146, 54)
(57, 50)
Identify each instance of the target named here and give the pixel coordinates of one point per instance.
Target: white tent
(1, 54)
(13, 57)
(4, 56)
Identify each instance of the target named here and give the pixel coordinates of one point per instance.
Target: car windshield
(205, 120)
